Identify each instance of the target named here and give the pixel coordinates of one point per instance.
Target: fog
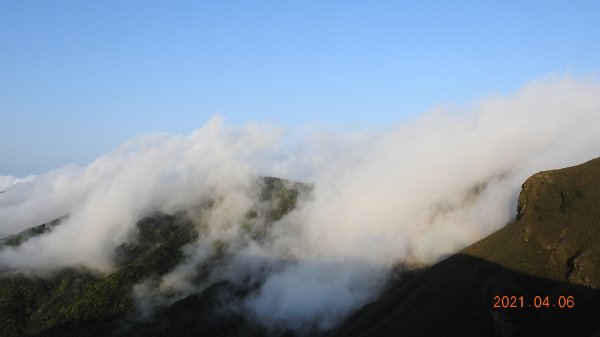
(409, 194)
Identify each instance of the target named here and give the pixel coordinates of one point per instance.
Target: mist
(407, 194)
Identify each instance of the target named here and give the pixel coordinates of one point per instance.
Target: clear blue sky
(79, 77)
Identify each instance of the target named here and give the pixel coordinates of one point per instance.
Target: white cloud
(409, 193)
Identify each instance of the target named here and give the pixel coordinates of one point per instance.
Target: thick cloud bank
(410, 194)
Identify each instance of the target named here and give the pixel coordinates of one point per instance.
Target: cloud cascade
(411, 193)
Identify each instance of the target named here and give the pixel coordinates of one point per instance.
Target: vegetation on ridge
(78, 302)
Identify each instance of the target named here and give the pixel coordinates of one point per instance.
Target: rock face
(551, 251)
(559, 220)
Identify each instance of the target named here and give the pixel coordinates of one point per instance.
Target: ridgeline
(538, 276)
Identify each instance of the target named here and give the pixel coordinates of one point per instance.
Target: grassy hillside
(557, 231)
(552, 250)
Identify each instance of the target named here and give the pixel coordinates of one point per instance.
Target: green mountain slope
(552, 251)
(78, 302)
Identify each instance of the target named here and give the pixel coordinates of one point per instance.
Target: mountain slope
(551, 250)
(79, 302)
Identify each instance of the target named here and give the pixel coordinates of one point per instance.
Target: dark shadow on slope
(456, 297)
(452, 298)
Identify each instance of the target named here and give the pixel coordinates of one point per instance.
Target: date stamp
(536, 302)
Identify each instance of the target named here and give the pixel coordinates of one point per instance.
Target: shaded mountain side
(79, 302)
(456, 298)
(552, 249)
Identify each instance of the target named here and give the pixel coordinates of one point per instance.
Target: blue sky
(79, 77)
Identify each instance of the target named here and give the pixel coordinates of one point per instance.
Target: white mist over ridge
(107, 198)
(410, 193)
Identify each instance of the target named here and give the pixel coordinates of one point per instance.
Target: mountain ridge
(80, 302)
(549, 251)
